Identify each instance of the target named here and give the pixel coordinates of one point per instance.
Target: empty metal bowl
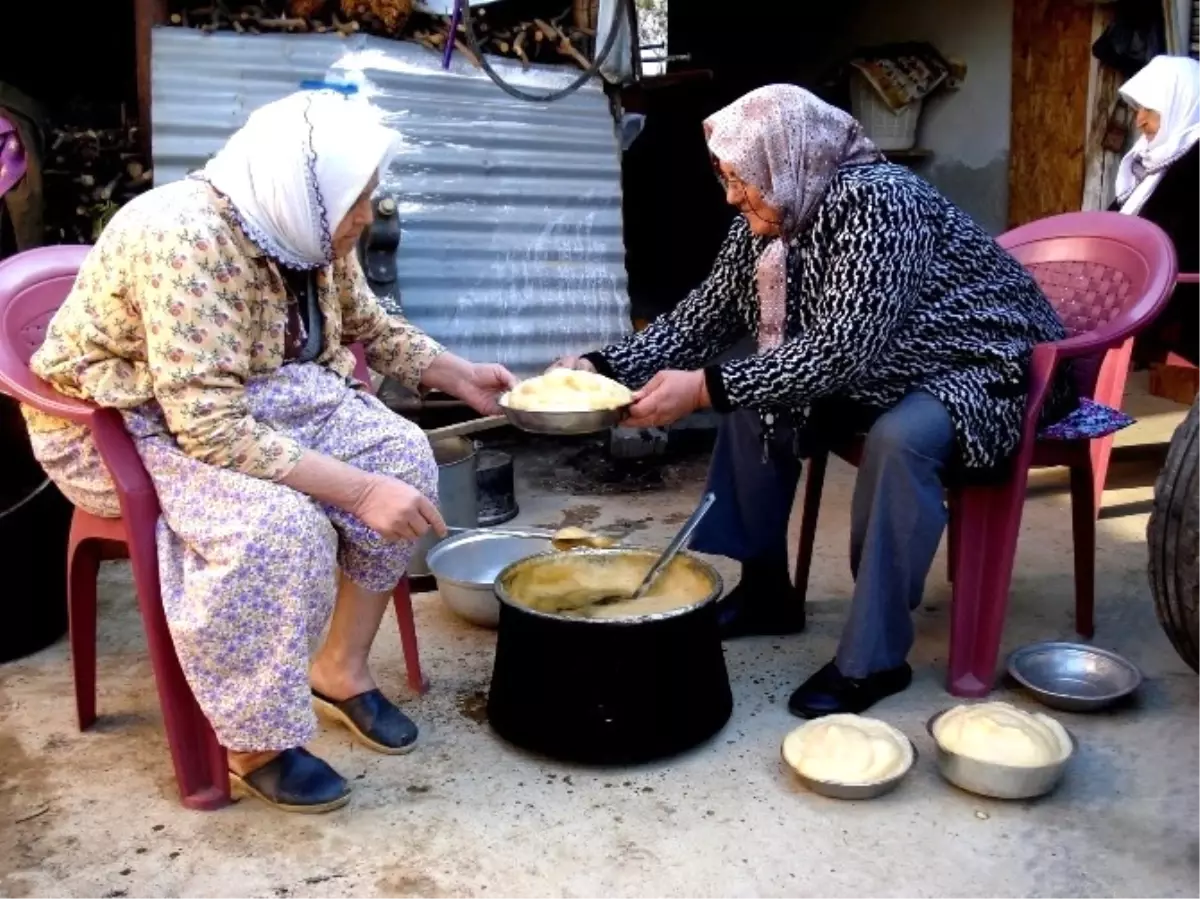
(853, 791)
(563, 424)
(466, 566)
(1072, 676)
(995, 780)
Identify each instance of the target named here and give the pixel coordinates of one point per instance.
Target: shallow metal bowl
(997, 781)
(852, 791)
(466, 566)
(563, 424)
(505, 579)
(1072, 676)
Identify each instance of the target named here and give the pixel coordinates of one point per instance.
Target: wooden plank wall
(1051, 61)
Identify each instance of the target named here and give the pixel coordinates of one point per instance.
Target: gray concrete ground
(97, 814)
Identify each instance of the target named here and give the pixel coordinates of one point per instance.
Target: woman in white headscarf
(216, 313)
(1159, 180)
(877, 306)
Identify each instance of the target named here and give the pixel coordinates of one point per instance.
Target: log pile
(556, 40)
(89, 173)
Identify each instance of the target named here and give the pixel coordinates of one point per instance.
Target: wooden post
(1052, 52)
(146, 14)
(1100, 164)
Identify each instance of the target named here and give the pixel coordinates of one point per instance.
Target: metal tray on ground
(1073, 677)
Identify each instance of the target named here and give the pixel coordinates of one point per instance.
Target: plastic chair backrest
(13, 163)
(32, 287)
(1108, 275)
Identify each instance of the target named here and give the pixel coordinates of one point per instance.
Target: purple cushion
(1089, 421)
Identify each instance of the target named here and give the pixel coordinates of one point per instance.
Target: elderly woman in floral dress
(215, 312)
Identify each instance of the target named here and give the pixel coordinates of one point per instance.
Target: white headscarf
(295, 169)
(1169, 85)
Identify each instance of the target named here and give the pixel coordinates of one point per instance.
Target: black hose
(575, 85)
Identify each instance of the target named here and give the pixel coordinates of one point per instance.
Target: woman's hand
(483, 386)
(396, 510)
(666, 398)
(385, 505)
(576, 363)
(479, 385)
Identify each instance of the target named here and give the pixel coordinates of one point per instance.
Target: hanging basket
(887, 129)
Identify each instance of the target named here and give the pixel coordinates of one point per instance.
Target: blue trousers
(897, 514)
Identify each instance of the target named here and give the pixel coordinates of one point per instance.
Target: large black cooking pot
(608, 691)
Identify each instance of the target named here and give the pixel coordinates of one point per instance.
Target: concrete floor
(96, 814)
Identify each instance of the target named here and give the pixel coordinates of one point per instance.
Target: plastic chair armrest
(121, 458)
(25, 387)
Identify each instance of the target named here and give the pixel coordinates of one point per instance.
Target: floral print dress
(179, 320)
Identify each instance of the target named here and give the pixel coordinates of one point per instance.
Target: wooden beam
(1100, 165)
(146, 15)
(1051, 52)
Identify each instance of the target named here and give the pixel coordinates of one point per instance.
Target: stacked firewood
(89, 173)
(550, 41)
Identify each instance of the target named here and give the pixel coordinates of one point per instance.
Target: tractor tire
(1173, 536)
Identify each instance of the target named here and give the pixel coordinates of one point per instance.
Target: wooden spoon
(563, 540)
(575, 538)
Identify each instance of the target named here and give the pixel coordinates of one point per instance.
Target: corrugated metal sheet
(512, 246)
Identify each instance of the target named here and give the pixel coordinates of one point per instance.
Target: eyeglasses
(729, 182)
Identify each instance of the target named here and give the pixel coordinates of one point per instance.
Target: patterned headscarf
(296, 168)
(788, 144)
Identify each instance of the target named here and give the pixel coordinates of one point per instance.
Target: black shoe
(829, 692)
(764, 603)
(293, 781)
(372, 719)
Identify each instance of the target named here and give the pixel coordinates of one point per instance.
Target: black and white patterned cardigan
(891, 289)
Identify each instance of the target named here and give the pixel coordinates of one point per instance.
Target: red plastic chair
(32, 286)
(1108, 276)
(1174, 360)
(13, 163)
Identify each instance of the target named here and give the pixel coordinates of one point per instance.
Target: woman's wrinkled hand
(397, 511)
(576, 363)
(666, 398)
(483, 385)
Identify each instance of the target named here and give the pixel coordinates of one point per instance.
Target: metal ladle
(677, 545)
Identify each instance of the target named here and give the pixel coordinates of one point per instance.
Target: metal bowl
(466, 566)
(853, 791)
(563, 424)
(994, 780)
(1072, 676)
(505, 579)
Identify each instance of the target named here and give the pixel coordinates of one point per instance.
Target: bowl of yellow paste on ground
(996, 749)
(848, 756)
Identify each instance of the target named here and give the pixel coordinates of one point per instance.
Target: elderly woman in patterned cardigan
(874, 301)
(215, 312)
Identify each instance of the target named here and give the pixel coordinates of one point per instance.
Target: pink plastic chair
(13, 163)
(1108, 276)
(1174, 360)
(32, 286)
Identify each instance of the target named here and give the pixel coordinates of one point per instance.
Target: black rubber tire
(1173, 536)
